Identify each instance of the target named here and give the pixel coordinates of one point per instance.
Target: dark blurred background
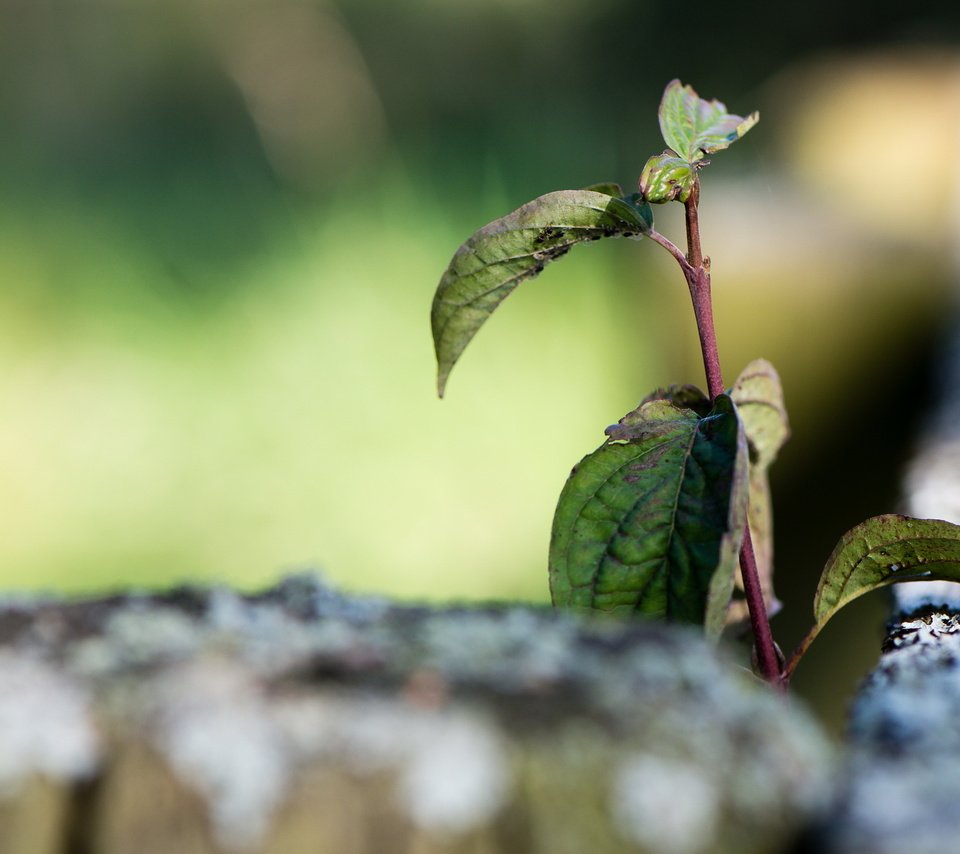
(221, 225)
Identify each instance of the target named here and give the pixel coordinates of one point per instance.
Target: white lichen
(455, 779)
(451, 768)
(45, 725)
(514, 649)
(215, 729)
(665, 804)
(139, 634)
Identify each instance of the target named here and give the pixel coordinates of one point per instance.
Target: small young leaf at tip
(693, 126)
(882, 551)
(498, 257)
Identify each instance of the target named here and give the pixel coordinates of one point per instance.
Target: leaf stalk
(799, 652)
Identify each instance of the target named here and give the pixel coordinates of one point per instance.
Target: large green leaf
(882, 551)
(693, 126)
(759, 399)
(758, 396)
(652, 521)
(487, 268)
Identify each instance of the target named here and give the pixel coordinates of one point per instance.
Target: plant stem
(767, 657)
(699, 282)
(691, 208)
(670, 246)
(696, 270)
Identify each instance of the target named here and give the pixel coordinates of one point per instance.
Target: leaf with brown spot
(488, 267)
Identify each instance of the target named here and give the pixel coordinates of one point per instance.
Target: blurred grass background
(221, 225)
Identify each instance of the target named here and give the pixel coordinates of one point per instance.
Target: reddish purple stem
(696, 270)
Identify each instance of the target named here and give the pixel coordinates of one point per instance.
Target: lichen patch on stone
(665, 804)
(447, 720)
(455, 775)
(216, 731)
(46, 726)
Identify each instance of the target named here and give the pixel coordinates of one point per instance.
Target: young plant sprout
(670, 517)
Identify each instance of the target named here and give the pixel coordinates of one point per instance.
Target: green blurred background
(221, 225)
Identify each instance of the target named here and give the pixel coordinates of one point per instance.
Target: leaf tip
(748, 123)
(693, 126)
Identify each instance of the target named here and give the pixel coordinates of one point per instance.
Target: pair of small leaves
(486, 269)
(653, 520)
(692, 127)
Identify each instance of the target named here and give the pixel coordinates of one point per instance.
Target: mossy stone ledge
(302, 720)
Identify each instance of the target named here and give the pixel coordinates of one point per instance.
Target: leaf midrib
(662, 560)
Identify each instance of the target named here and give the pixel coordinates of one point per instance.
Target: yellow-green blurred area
(221, 226)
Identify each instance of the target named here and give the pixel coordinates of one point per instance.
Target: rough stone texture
(900, 785)
(300, 720)
(899, 788)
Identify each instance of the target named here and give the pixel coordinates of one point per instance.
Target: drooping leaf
(652, 521)
(882, 551)
(693, 126)
(666, 177)
(490, 265)
(759, 399)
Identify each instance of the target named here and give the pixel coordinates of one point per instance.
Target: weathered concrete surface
(303, 721)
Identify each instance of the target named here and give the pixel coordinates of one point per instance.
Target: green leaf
(652, 521)
(882, 551)
(692, 126)
(608, 188)
(666, 177)
(759, 399)
(640, 206)
(681, 396)
(490, 265)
